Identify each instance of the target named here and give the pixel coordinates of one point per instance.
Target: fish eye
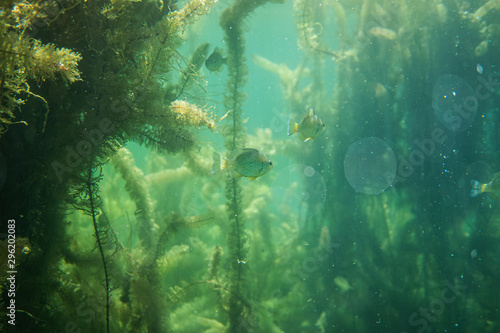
(270, 163)
(323, 125)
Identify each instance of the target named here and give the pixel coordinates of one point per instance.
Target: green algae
(127, 229)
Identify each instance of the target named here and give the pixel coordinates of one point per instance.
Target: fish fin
(216, 163)
(219, 163)
(292, 127)
(234, 154)
(252, 178)
(304, 138)
(474, 193)
(310, 112)
(235, 174)
(477, 188)
(475, 184)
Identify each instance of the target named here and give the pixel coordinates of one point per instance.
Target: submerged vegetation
(26, 58)
(107, 130)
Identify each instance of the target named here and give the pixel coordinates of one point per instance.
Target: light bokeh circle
(370, 165)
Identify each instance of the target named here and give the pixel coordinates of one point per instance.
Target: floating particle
(479, 68)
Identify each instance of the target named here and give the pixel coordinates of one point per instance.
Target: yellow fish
(493, 187)
(310, 127)
(215, 61)
(246, 162)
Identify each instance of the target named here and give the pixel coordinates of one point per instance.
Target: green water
(116, 223)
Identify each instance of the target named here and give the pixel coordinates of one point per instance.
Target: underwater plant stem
(236, 243)
(239, 250)
(99, 244)
(231, 21)
(46, 106)
(155, 60)
(366, 9)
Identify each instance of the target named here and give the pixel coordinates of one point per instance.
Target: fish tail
(477, 188)
(292, 127)
(219, 163)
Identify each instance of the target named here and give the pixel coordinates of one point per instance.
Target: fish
(310, 127)
(215, 61)
(493, 187)
(244, 162)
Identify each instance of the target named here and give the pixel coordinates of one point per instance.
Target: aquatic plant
(24, 58)
(137, 189)
(128, 231)
(290, 80)
(122, 98)
(190, 115)
(87, 200)
(231, 21)
(190, 72)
